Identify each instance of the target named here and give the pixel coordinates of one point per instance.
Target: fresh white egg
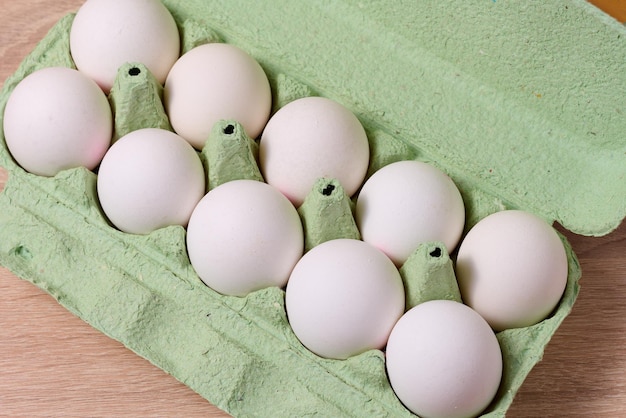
(244, 235)
(108, 33)
(443, 360)
(343, 298)
(512, 269)
(57, 118)
(149, 179)
(212, 82)
(408, 203)
(311, 138)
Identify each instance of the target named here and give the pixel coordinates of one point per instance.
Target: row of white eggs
(344, 296)
(252, 219)
(442, 357)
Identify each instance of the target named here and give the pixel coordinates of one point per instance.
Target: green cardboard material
(521, 103)
(428, 274)
(135, 84)
(327, 214)
(229, 154)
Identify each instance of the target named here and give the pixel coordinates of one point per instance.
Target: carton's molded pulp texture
(521, 103)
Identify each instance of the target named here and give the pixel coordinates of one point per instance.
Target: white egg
(213, 82)
(243, 236)
(408, 203)
(343, 298)
(57, 118)
(149, 179)
(443, 360)
(108, 33)
(512, 269)
(311, 138)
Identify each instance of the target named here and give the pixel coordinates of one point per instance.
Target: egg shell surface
(55, 119)
(149, 179)
(212, 82)
(343, 298)
(108, 33)
(311, 138)
(512, 269)
(408, 203)
(244, 235)
(443, 360)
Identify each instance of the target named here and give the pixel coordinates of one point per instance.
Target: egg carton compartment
(240, 353)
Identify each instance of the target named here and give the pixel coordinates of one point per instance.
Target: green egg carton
(521, 103)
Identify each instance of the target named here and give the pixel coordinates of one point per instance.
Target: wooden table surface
(53, 364)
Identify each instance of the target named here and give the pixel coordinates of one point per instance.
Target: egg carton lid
(523, 101)
(519, 103)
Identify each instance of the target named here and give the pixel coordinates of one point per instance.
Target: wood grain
(54, 364)
(615, 8)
